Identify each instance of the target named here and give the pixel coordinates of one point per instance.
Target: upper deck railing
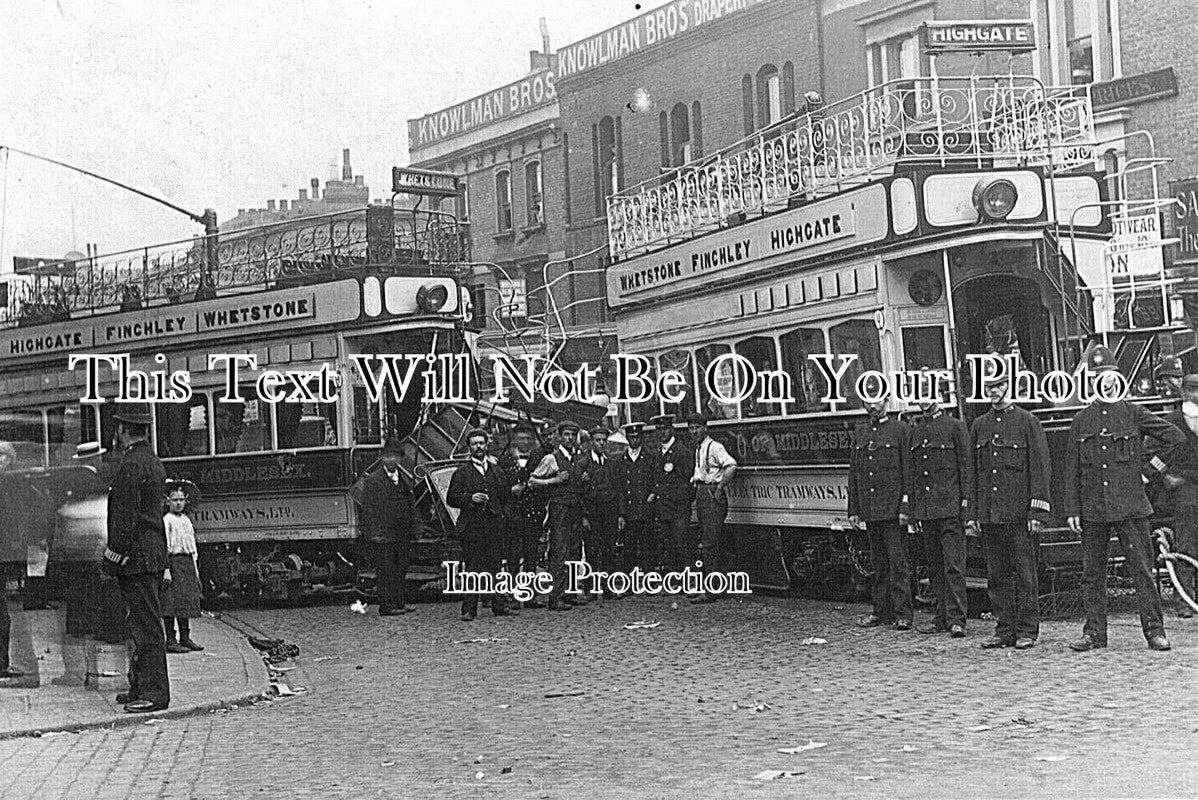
(305, 250)
(1007, 120)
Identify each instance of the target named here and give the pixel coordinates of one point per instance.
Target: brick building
(350, 193)
(507, 147)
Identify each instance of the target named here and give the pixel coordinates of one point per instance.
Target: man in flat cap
(1182, 483)
(388, 524)
(481, 491)
(675, 494)
(1010, 503)
(137, 555)
(639, 475)
(558, 476)
(1105, 474)
(714, 469)
(527, 517)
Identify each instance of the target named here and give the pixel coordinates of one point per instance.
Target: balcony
(295, 252)
(994, 121)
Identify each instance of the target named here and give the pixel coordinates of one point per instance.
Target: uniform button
(1104, 466)
(1104, 447)
(928, 488)
(925, 473)
(996, 488)
(1104, 483)
(995, 472)
(873, 490)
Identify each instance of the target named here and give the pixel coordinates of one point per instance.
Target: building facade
(350, 193)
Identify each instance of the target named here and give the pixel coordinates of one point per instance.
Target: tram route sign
(405, 180)
(974, 36)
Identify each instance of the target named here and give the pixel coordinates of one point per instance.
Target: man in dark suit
(1182, 482)
(136, 554)
(601, 501)
(557, 475)
(388, 521)
(675, 494)
(528, 503)
(481, 491)
(638, 466)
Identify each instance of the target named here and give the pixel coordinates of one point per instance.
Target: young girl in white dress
(181, 584)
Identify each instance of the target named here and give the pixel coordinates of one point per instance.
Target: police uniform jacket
(1011, 467)
(388, 515)
(530, 503)
(136, 534)
(479, 520)
(1184, 463)
(638, 481)
(877, 464)
(603, 483)
(673, 482)
(1104, 460)
(939, 473)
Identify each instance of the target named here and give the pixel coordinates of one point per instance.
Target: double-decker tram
(908, 226)
(276, 472)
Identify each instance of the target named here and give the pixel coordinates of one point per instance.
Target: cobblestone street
(396, 708)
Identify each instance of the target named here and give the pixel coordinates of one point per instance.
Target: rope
(1162, 541)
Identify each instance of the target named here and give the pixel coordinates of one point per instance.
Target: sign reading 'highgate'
(972, 36)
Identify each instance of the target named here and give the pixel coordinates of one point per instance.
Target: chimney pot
(315, 189)
(270, 205)
(283, 205)
(358, 180)
(303, 195)
(347, 174)
(240, 211)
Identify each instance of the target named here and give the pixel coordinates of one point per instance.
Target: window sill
(501, 235)
(537, 227)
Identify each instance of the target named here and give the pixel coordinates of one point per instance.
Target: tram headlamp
(995, 198)
(431, 298)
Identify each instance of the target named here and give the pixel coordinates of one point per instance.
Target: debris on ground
(477, 641)
(980, 728)
(387, 764)
(575, 693)
(48, 734)
(864, 778)
(1051, 758)
(813, 640)
(326, 658)
(505, 771)
(775, 774)
(276, 650)
(478, 760)
(906, 749)
(283, 690)
(358, 607)
(811, 745)
(751, 706)
(1022, 721)
(632, 626)
(478, 776)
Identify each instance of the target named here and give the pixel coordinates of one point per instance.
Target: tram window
(857, 337)
(183, 427)
(704, 357)
(302, 425)
(243, 427)
(680, 360)
(807, 383)
(23, 430)
(368, 423)
(759, 350)
(66, 427)
(924, 347)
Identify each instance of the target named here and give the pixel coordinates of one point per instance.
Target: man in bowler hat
(481, 491)
(136, 554)
(388, 521)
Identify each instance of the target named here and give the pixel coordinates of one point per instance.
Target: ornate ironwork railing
(995, 120)
(305, 250)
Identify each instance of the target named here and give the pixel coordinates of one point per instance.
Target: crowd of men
(614, 501)
(940, 480)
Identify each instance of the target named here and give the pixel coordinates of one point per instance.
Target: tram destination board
(973, 36)
(406, 180)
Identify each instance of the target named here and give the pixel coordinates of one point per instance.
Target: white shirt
(712, 462)
(665, 448)
(633, 455)
(180, 534)
(1190, 412)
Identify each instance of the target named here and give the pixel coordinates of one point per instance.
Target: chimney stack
(270, 205)
(283, 205)
(303, 196)
(544, 24)
(315, 189)
(347, 174)
(359, 180)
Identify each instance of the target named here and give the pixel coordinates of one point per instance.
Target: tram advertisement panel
(788, 497)
(790, 442)
(275, 472)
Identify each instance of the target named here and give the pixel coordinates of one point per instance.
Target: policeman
(639, 467)
(675, 494)
(1182, 483)
(1010, 503)
(557, 474)
(939, 484)
(601, 501)
(136, 554)
(877, 464)
(1169, 377)
(1104, 494)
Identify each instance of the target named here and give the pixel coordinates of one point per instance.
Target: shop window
(182, 428)
(807, 382)
(533, 190)
(243, 427)
(503, 200)
(306, 425)
(857, 337)
(760, 351)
